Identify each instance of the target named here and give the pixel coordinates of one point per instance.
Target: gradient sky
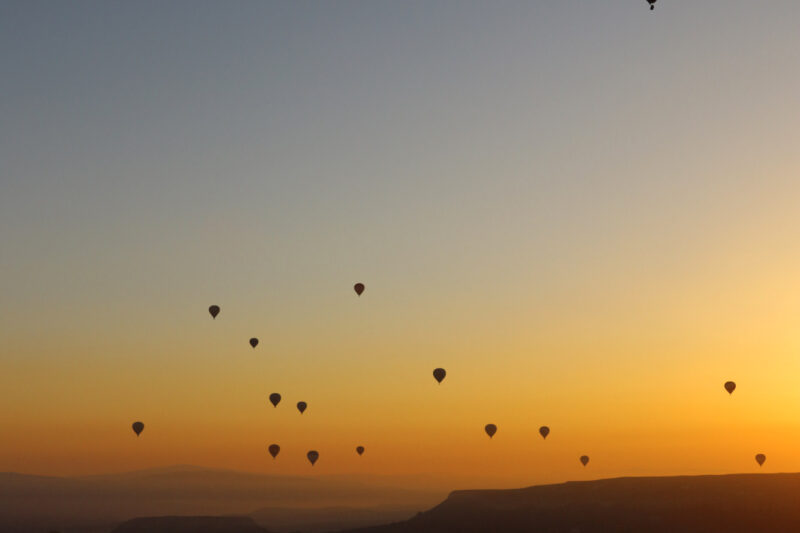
(587, 212)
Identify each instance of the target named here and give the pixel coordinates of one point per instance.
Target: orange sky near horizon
(628, 371)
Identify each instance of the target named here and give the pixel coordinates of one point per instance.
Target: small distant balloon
(359, 288)
(730, 386)
(274, 450)
(360, 450)
(313, 455)
(301, 406)
(254, 342)
(275, 399)
(214, 310)
(760, 458)
(439, 374)
(138, 427)
(652, 4)
(584, 460)
(544, 431)
(490, 429)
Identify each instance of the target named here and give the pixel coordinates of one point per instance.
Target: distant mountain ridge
(738, 503)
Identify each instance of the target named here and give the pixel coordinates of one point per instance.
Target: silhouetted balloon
(439, 374)
(138, 427)
(730, 386)
(275, 398)
(253, 342)
(313, 455)
(760, 458)
(301, 406)
(274, 450)
(360, 450)
(490, 429)
(359, 288)
(652, 4)
(214, 310)
(584, 459)
(544, 431)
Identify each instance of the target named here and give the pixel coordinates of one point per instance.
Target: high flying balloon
(214, 311)
(584, 460)
(275, 399)
(760, 458)
(439, 374)
(254, 342)
(544, 431)
(359, 288)
(313, 455)
(301, 406)
(490, 429)
(730, 386)
(360, 450)
(274, 450)
(138, 427)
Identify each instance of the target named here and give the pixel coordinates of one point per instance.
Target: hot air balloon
(360, 450)
(439, 374)
(730, 386)
(652, 4)
(760, 458)
(490, 429)
(301, 406)
(359, 288)
(275, 398)
(254, 342)
(274, 450)
(544, 431)
(313, 455)
(138, 427)
(584, 459)
(214, 310)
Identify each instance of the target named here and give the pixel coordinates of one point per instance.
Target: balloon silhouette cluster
(275, 398)
(439, 375)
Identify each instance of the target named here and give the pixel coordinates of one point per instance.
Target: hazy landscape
(283, 503)
(191, 500)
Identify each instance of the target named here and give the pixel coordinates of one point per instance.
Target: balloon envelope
(490, 429)
(138, 427)
(359, 450)
(275, 399)
(301, 406)
(584, 459)
(544, 431)
(760, 458)
(730, 386)
(253, 342)
(313, 455)
(439, 374)
(214, 310)
(274, 450)
(359, 288)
